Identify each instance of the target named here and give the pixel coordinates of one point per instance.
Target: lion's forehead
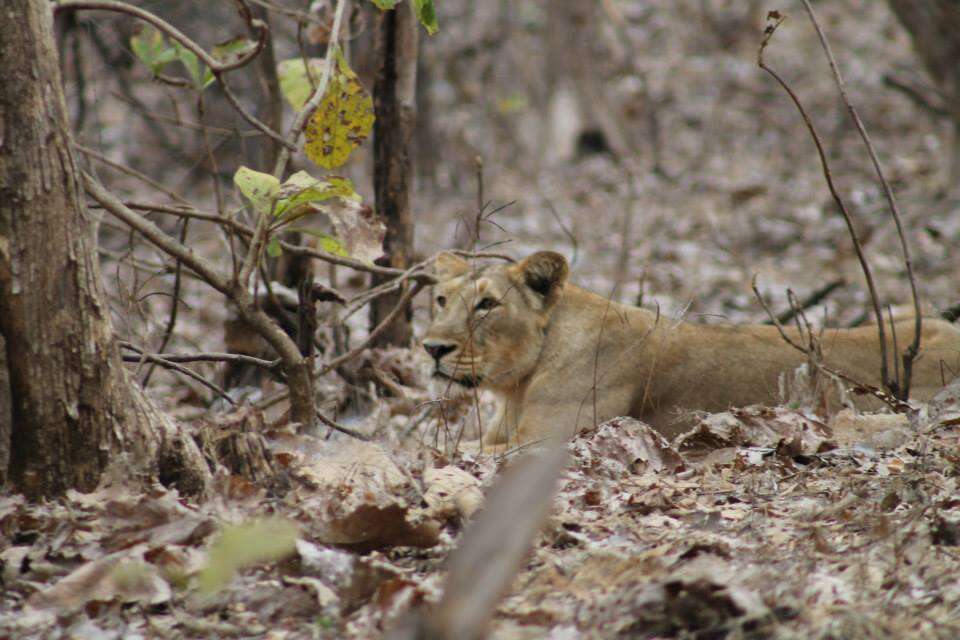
(486, 281)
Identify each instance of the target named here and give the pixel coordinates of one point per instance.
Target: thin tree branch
(263, 221)
(311, 105)
(173, 366)
(813, 299)
(211, 356)
(858, 247)
(174, 303)
(96, 155)
(900, 388)
(151, 232)
(294, 365)
(215, 65)
(401, 303)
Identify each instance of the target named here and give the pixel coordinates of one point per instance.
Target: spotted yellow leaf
(342, 121)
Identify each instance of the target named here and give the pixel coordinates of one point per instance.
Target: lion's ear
(544, 272)
(449, 265)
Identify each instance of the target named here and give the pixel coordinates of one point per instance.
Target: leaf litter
(757, 522)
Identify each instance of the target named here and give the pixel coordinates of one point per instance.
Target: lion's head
(489, 322)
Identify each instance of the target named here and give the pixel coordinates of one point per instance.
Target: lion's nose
(438, 349)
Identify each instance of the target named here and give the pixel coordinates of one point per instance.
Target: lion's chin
(470, 382)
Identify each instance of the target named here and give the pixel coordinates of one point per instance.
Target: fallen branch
(915, 95)
(342, 429)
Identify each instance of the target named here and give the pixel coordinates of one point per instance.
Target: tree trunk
(934, 26)
(5, 413)
(74, 408)
(394, 99)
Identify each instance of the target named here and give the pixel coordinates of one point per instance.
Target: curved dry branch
(215, 65)
(828, 176)
(900, 388)
(219, 69)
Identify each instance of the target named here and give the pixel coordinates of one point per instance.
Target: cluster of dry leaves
(759, 522)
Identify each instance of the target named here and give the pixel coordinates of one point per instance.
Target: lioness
(563, 358)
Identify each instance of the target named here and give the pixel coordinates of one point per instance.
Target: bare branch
(173, 366)
(210, 356)
(401, 303)
(814, 298)
(151, 232)
(900, 388)
(96, 155)
(294, 365)
(342, 429)
(828, 176)
(122, 7)
(774, 319)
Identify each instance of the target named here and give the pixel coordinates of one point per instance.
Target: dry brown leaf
(365, 501)
(624, 446)
(123, 577)
(788, 431)
(451, 492)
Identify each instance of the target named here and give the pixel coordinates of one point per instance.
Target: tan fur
(563, 359)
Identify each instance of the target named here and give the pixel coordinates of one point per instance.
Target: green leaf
(245, 545)
(274, 250)
(427, 15)
(232, 50)
(294, 81)
(386, 5)
(208, 78)
(302, 194)
(261, 189)
(196, 69)
(332, 245)
(342, 121)
(326, 241)
(149, 46)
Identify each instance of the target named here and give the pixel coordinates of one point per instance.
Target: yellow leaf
(342, 121)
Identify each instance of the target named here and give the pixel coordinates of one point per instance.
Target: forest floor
(759, 523)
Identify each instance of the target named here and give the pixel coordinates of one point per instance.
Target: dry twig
(900, 388)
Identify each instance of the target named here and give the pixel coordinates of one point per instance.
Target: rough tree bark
(394, 100)
(934, 26)
(74, 408)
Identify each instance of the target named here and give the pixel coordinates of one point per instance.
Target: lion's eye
(441, 301)
(486, 303)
